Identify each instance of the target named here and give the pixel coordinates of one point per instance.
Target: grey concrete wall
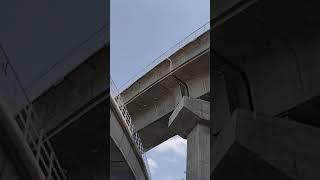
(198, 155)
(278, 52)
(290, 147)
(290, 82)
(224, 10)
(125, 144)
(76, 90)
(95, 171)
(220, 7)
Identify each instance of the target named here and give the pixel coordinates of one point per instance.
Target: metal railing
(195, 34)
(115, 93)
(40, 145)
(36, 140)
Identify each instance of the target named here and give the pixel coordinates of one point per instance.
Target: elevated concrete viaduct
(266, 69)
(152, 99)
(165, 92)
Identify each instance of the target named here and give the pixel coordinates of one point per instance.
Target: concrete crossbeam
(188, 114)
(190, 120)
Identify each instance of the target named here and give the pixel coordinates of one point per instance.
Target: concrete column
(198, 155)
(190, 120)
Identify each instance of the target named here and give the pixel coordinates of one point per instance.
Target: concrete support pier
(190, 120)
(268, 148)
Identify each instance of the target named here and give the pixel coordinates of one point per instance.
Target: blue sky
(140, 30)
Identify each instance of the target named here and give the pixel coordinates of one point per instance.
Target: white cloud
(153, 165)
(171, 160)
(176, 145)
(169, 178)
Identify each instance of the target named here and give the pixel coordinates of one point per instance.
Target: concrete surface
(198, 153)
(279, 58)
(123, 142)
(191, 120)
(79, 91)
(81, 146)
(279, 53)
(241, 164)
(152, 98)
(119, 168)
(287, 146)
(188, 113)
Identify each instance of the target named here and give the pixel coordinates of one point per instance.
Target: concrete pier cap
(188, 113)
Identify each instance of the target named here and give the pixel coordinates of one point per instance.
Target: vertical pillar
(190, 120)
(198, 155)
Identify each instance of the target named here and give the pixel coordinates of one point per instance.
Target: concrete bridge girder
(152, 98)
(80, 88)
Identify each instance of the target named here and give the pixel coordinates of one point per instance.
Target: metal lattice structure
(40, 146)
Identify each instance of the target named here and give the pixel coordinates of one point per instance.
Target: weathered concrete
(198, 155)
(119, 134)
(288, 146)
(279, 54)
(221, 107)
(77, 94)
(119, 168)
(241, 164)
(81, 147)
(188, 114)
(191, 120)
(152, 98)
(225, 10)
(279, 58)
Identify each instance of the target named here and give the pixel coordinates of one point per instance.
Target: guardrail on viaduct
(192, 36)
(115, 93)
(41, 148)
